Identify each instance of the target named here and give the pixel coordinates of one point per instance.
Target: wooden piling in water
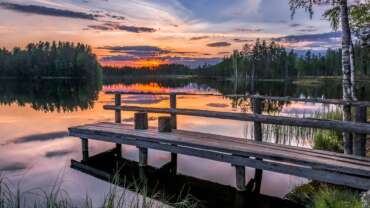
(141, 122)
(359, 140)
(118, 119)
(85, 149)
(173, 105)
(164, 124)
(240, 177)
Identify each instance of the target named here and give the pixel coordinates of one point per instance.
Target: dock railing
(358, 126)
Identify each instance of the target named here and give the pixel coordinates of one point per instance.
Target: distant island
(44, 60)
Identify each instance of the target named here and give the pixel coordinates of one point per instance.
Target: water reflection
(34, 147)
(51, 95)
(164, 179)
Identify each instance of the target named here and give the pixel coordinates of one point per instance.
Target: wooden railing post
(173, 106)
(85, 149)
(359, 141)
(117, 102)
(141, 123)
(118, 119)
(257, 109)
(347, 136)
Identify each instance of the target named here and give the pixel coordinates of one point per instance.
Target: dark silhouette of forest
(45, 59)
(270, 60)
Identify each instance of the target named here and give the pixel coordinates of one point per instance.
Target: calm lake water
(35, 150)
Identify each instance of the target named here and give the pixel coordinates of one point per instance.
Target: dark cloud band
(41, 10)
(219, 44)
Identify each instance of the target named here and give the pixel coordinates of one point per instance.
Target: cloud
(294, 25)
(249, 30)
(199, 37)
(57, 153)
(219, 44)
(41, 137)
(15, 166)
(142, 51)
(41, 10)
(310, 37)
(110, 26)
(239, 40)
(312, 41)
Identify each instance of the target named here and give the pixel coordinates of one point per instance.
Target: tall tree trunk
(353, 74)
(346, 69)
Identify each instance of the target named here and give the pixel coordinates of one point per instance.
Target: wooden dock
(335, 168)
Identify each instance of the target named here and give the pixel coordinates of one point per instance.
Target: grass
(328, 140)
(319, 195)
(116, 197)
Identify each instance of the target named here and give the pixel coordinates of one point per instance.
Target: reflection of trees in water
(62, 95)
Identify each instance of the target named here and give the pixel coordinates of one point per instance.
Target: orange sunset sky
(150, 32)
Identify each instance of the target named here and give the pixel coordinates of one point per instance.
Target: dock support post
(85, 149)
(359, 141)
(173, 105)
(257, 109)
(240, 177)
(118, 119)
(164, 124)
(141, 123)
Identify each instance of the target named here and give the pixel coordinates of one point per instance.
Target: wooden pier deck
(335, 168)
(317, 165)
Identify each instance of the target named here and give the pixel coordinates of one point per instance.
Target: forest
(260, 60)
(50, 60)
(270, 60)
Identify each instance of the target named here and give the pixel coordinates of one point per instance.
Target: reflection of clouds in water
(302, 108)
(147, 99)
(57, 153)
(217, 105)
(14, 166)
(41, 137)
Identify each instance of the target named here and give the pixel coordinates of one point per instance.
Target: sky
(151, 32)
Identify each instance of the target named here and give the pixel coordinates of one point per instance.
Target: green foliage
(336, 198)
(320, 195)
(269, 60)
(328, 140)
(116, 197)
(44, 59)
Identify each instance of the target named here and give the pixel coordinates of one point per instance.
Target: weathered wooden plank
(303, 151)
(240, 177)
(346, 126)
(229, 147)
(307, 172)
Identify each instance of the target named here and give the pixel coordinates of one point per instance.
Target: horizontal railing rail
(346, 126)
(272, 98)
(358, 126)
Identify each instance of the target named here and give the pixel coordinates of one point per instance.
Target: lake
(35, 150)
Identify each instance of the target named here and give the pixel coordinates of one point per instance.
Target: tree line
(270, 60)
(163, 69)
(45, 59)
